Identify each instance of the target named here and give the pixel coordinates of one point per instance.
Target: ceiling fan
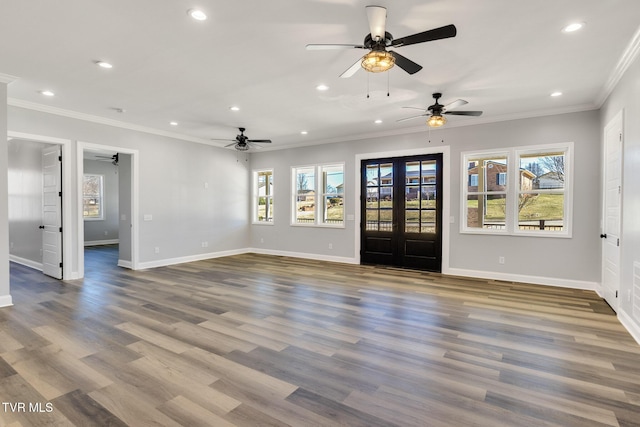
(435, 112)
(243, 143)
(378, 40)
(113, 159)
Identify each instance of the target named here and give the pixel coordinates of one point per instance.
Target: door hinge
(59, 193)
(60, 265)
(616, 294)
(60, 158)
(61, 229)
(618, 242)
(620, 136)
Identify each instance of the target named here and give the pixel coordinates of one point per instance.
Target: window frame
(320, 196)
(513, 191)
(100, 197)
(255, 218)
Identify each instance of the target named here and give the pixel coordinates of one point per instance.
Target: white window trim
(255, 197)
(102, 201)
(513, 154)
(318, 214)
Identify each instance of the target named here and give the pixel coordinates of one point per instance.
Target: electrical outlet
(330, 245)
(157, 250)
(501, 260)
(106, 233)
(205, 244)
(261, 240)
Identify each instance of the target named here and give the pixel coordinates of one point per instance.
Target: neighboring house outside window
(263, 196)
(93, 197)
(318, 193)
(522, 191)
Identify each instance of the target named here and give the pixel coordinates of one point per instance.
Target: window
(318, 193)
(93, 196)
(263, 196)
(520, 191)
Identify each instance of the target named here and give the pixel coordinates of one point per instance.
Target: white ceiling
(507, 58)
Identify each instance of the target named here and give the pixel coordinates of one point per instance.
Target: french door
(401, 223)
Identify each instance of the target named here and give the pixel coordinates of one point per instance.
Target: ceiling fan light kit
(436, 121)
(378, 61)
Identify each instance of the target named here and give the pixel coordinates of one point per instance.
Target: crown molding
(105, 121)
(7, 78)
(628, 56)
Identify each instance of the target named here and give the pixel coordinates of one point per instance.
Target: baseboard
(6, 301)
(316, 257)
(630, 325)
(190, 258)
(101, 242)
(27, 262)
(536, 280)
(125, 264)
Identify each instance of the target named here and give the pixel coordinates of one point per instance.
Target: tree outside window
(93, 196)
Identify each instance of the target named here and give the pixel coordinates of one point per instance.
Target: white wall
(626, 97)
(194, 193)
(106, 229)
(25, 202)
(566, 262)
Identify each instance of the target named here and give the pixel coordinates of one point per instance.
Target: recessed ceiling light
(47, 93)
(575, 26)
(103, 64)
(303, 132)
(322, 87)
(173, 123)
(378, 121)
(554, 94)
(197, 14)
(234, 108)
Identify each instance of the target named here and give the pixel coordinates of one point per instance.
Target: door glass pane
(428, 172)
(372, 176)
(427, 221)
(412, 196)
(412, 221)
(386, 220)
(428, 196)
(412, 173)
(386, 174)
(372, 197)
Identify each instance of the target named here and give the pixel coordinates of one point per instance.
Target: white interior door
(612, 211)
(52, 212)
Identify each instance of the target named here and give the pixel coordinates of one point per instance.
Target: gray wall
(626, 96)
(25, 201)
(124, 214)
(574, 261)
(107, 228)
(194, 193)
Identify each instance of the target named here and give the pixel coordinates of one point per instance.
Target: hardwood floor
(254, 340)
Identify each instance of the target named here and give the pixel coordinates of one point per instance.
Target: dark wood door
(401, 222)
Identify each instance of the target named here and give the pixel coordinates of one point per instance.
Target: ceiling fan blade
(259, 140)
(417, 108)
(413, 117)
(254, 146)
(427, 36)
(377, 16)
(406, 64)
(455, 104)
(464, 113)
(352, 70)
(334, 46)
(230, 145)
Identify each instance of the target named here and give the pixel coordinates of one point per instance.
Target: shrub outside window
(263, 196)
(92, 197)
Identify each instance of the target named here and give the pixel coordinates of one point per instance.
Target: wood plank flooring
(255, 340)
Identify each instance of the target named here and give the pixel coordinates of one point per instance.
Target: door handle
(41, 227)
(603, 236)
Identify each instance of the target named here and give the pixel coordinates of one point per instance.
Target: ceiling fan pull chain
(388, 84)
(367, 86)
